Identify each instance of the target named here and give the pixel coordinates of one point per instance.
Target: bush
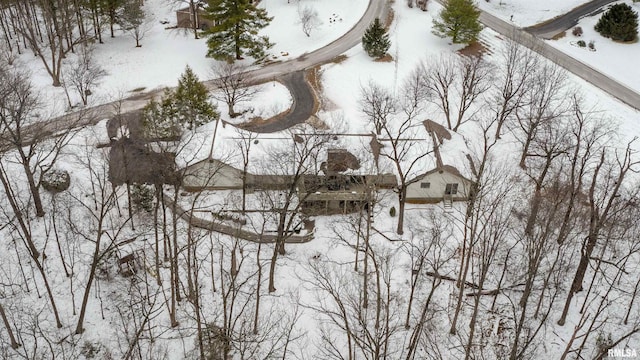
(581, 43)
(142, 197)
(392, 211)
(619, 23)
(577, 31)
(56, 181)
(592, 45)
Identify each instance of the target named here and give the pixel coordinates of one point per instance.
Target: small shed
(443, 183)
(185, 18)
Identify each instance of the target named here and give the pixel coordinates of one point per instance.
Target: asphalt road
(273, 71)
(302, 107)
(376, 8)
(575, 66)
(555, 26)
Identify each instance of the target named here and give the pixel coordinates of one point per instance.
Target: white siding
(437, 184)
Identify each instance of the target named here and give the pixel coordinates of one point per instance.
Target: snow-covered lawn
(165, 52)
(615, 59)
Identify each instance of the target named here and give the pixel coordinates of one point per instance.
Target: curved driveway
(302, 107)
(377, 8)
(273, 71)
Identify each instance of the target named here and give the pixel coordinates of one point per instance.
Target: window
(425, 185)
(451, 189)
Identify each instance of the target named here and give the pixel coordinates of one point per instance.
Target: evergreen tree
(619, 23)
(187, 106)
(458, 20)
(191, 101)
(235, 33)
(375, 40)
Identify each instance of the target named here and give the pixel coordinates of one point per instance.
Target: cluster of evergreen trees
(459, 20)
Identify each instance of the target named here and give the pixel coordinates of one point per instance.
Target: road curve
(302, 107)
(553, 27)
(273, 71)
(575, 66)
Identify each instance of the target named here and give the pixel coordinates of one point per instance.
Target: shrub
(592, 45)
(577, 31)
(619, 23)
(392, 211)
(142, 197)
(581, 43)
(56, 181)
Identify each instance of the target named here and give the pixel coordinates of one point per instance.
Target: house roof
(445, 168)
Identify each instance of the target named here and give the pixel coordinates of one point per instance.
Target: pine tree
(191, 101)
(458, 20)
(235, 34)
(375, 40)
(619, 23)
(188, 106)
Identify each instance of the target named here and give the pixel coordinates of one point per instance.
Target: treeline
(53, 28)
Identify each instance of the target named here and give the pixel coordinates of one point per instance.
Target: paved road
(575, 66)
(555, 26)
(303, 105)
(273, 71)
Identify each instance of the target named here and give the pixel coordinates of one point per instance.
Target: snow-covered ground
(165, 52)
(159, 63)
(615, 59)
(527, 12)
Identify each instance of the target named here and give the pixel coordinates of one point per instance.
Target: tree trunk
(12, 339)
(272, 269)
(87, 289)
(402, 195)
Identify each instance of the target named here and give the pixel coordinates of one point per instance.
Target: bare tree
(454, 84)
(105, 221)
(133, 20)
(244, 142)
(352, 331)
(18, 107)
(401, 140)
(512, 81)
(51, 37)
(7, 325)
(291, 165)
(234, 85)
(605, 201)
(194, 7)
(309, 19)
(544, 102)
(83, 74)
(378, 104)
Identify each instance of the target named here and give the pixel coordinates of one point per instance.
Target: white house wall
(438, 182)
